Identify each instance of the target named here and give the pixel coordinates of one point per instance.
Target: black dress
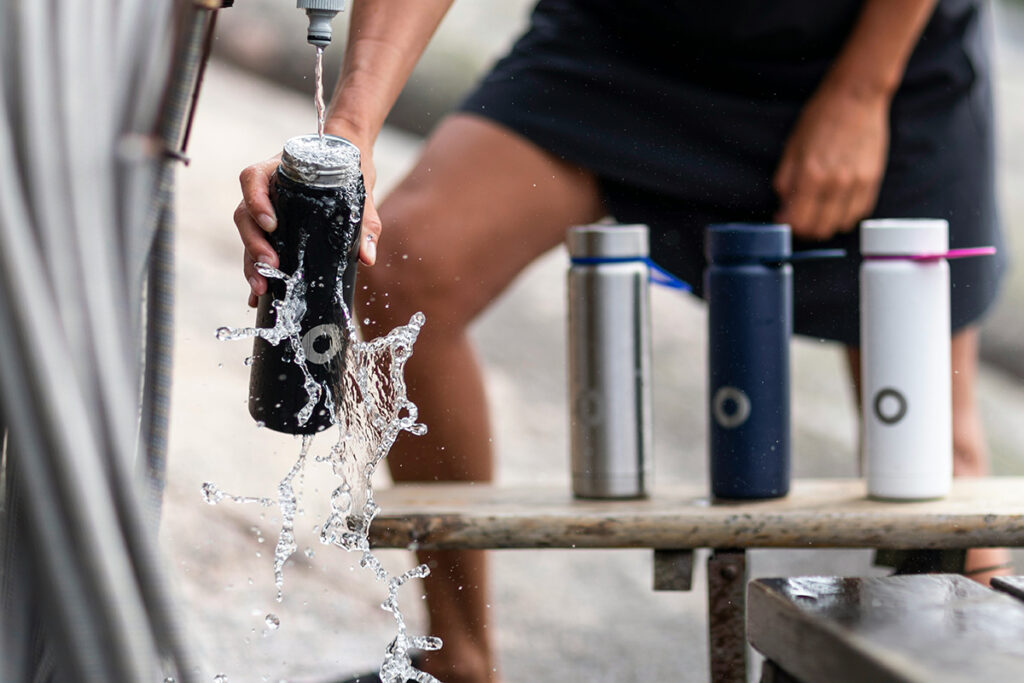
(681, 109)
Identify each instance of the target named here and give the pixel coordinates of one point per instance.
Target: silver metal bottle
(609, 339)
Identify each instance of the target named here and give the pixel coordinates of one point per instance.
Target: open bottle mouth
(330, 161)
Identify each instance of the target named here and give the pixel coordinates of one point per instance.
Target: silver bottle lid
(608, 241)
(328, 162)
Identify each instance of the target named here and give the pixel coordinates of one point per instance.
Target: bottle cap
(330, 161)
(904, 236)
(608, 241)
(747, 243)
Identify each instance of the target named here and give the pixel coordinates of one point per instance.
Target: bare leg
(480, 205)
(970, 452)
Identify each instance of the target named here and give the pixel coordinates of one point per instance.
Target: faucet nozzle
(320, 13)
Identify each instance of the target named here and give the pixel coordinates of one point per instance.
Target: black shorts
(681, 110)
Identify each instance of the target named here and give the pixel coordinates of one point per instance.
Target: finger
(832, 209)
(801, 213)
(255, 182)
(253, 238)
(813, 187)
(257, 283)
(833, 203)
(801, 208)
(864, 200)
(857, 207)
(370, 235)
(783, 180)
(257, 249)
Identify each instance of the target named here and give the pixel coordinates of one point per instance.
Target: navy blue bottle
(749, 289)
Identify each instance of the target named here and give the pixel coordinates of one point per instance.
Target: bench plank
(935, 628)
(817, 513)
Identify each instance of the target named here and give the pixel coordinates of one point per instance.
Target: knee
(417, 270)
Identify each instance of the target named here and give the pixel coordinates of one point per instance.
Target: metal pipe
(72, 409)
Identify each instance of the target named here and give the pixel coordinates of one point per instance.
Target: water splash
(289, 503)
(288, 315)
(213, 495)
(371, 413)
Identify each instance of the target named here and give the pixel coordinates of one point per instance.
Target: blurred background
(560, 615)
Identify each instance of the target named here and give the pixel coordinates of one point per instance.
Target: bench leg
(727, 641)
(673, 570)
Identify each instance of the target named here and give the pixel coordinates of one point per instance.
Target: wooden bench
(676, 520)
(935, 628)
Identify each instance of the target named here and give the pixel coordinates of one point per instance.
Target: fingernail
(264, 259)
(254, 284)
(371, 249)
(266, 222)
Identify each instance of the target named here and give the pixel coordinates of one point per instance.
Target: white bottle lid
(904, 236)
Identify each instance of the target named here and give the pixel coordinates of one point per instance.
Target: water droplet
(247, 361)
(273, 623)
(220, 678)
(366, 321)
(211, 494)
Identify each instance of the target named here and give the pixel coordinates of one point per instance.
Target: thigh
(478, 207)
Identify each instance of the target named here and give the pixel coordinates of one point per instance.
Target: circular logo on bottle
(321, 343)
(731, 407)
(890, 405)
(589, 408)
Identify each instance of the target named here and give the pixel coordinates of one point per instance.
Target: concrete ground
(560, 615)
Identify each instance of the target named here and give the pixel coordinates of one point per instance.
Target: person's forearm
(874, 58)
(386, 39)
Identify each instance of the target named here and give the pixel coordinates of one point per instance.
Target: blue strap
(658, 275)
(815, 254)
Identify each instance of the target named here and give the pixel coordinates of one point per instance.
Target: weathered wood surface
(817, 513)
(934, 628)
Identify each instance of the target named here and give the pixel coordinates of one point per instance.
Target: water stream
(318, 95)
(371, 413)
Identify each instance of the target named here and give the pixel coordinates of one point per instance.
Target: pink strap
(951, 254)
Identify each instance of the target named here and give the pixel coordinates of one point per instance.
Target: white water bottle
(906, 386)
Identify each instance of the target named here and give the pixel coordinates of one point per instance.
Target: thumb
(371, 232)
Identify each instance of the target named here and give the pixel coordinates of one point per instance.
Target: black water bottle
(749, 288)
(318, 195)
